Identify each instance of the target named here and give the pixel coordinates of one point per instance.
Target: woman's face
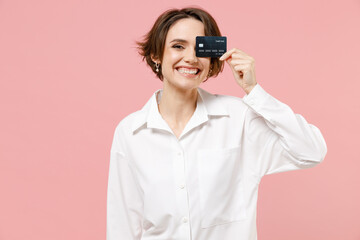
(180, 66)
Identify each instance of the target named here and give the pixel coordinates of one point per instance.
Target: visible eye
(178, 46)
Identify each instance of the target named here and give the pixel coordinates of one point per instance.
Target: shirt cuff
(256, 97)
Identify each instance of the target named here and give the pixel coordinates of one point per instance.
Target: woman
(188, 164)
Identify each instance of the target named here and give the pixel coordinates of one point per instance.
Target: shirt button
(182, 186)
(185, 219)
(179, 154)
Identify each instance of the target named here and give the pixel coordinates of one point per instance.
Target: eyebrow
(179, 40)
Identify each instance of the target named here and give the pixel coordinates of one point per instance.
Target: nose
(190, 56)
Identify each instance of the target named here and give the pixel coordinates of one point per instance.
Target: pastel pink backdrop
(69, 72)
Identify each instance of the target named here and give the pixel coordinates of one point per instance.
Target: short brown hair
(154, 41)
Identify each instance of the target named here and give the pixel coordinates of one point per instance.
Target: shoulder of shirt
(236, 104)
(128, 121)
(231, 102)
(229, 99)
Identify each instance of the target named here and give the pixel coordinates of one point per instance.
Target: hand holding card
(243, 68)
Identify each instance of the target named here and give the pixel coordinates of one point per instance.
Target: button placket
(181, 160)
(181, 193)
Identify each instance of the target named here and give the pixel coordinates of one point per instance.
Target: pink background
(69, 72)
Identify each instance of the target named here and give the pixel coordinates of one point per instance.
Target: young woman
(189, 163)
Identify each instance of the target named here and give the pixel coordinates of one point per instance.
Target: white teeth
(188, 71)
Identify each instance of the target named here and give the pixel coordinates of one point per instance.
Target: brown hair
(154, 41)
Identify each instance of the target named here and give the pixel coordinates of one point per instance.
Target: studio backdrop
(70, 71)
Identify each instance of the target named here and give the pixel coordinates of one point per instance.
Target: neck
(177, 105)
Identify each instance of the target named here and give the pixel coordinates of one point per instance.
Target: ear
(155, 60)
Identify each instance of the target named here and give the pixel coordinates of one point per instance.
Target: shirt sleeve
(282, 140)
(124, 201)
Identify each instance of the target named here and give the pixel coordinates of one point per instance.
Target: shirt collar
(207, 105)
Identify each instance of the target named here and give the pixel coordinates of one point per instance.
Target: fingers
(242, 56)
(242, 68)
(238, 60)
(227, 54)
(234, 53)
(235, 61)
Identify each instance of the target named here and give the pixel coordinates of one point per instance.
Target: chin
(186, 84)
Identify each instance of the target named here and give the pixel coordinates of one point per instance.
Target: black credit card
(210, 46)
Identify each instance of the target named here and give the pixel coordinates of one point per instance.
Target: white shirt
(204, 185)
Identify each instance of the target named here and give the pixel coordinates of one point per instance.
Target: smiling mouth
(190, 71)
